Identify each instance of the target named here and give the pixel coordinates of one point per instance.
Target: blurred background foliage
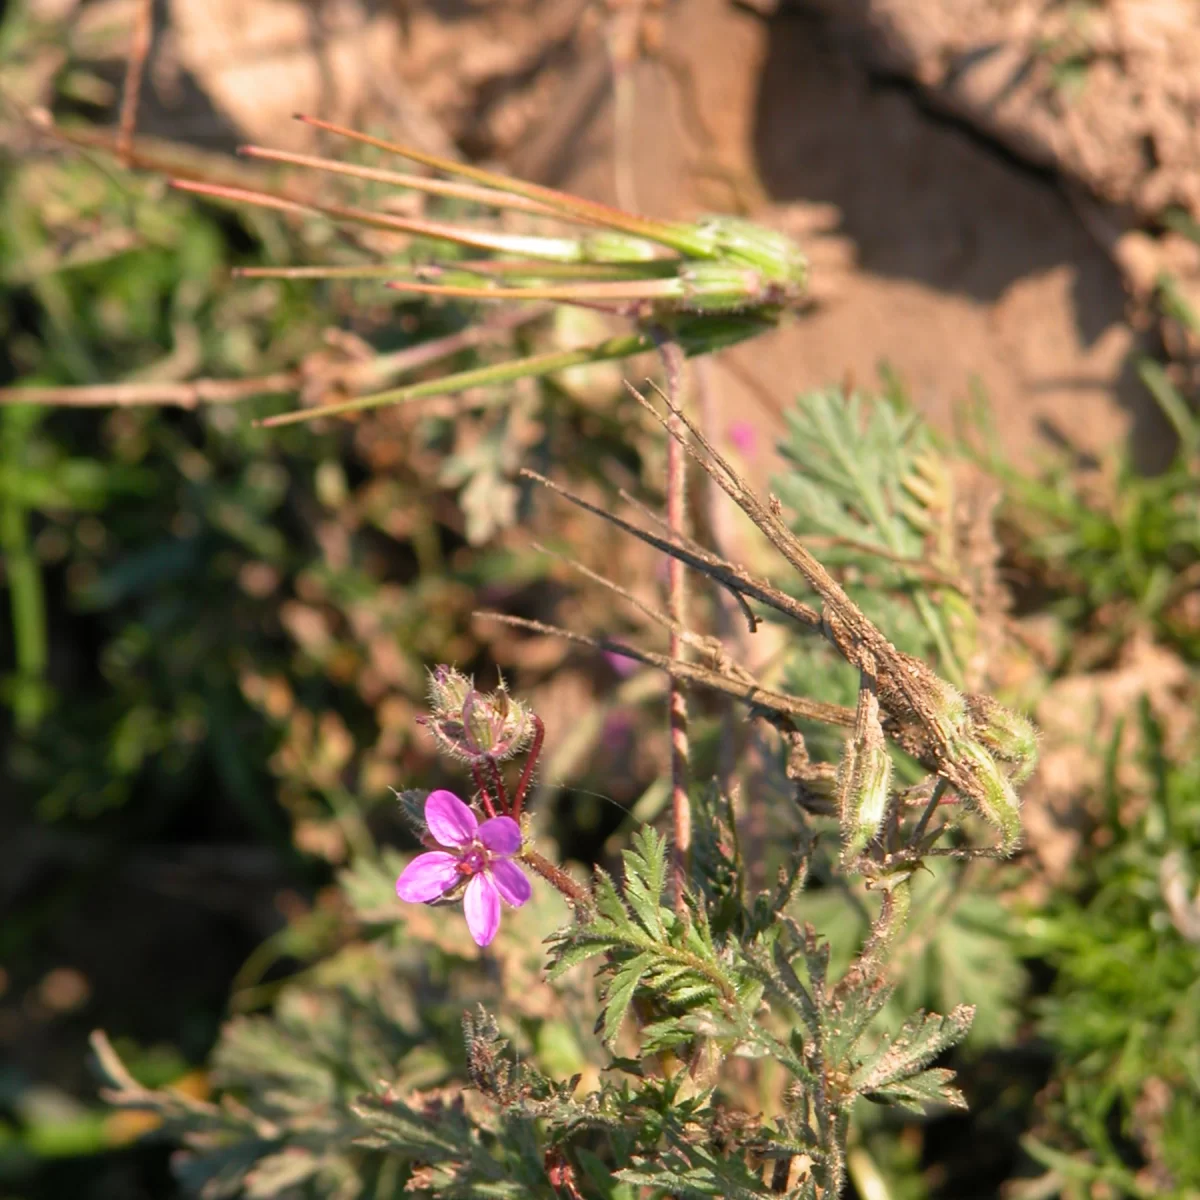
(215, 642)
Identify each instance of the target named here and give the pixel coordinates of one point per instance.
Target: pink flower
(743, 435)
(479, 854)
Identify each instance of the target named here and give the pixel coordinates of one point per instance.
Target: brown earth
(935, 250)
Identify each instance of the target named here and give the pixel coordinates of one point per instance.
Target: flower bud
(864, 788)
(474, 726)
(991, 792)
(1009, 736)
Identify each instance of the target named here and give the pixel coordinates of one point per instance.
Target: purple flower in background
(742, 434)
(480, 854)
(621, 663)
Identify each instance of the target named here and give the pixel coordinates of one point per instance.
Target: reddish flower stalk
(556, 877)
(535, 749)
(681, 811)
(482, 788)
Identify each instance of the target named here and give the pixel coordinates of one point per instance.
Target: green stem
(532, 367)
(28, 606)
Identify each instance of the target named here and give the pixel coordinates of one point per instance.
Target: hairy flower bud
(448, 690)
(990, 791)
(864, 776)
(864, 785)
(474, 726)
(1009, 736)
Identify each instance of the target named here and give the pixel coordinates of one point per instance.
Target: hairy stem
(681, 812)
(482, 787)
(557, 877)
(498, 784)
(535, 750)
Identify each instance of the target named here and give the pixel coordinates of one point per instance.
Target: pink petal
(427, 877)
(481, 907)
(450, 821)
(501, 835)
(510, 882)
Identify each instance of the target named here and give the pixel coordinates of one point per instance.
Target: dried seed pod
(865, 791)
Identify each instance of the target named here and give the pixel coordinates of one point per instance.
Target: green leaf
(620, 993)
(917, 1091)
(645, 879)
(920, 1040)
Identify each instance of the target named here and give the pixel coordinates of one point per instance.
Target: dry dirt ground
(956, 231)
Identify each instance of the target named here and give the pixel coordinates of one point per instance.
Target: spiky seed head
(448, 690)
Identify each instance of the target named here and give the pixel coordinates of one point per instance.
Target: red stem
(539, 735)
(681, 812)
(484, 795)
(573, 891)
(498, 784)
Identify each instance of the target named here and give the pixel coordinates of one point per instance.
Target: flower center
(472, 860)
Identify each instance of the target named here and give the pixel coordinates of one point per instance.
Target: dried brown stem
(189, 394)
(692, 546)
(908, 689)
(748, 691)
(728, 574)
(939, 789)
(708, 646)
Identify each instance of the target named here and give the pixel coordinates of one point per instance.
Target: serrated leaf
(917, 1091)
(567, 954)
(859, 1009)
(609, 905)
(666, 1034)
(620, 993)
(692, 1171)
(276, 1172)
(645, 879)
(919, 1041)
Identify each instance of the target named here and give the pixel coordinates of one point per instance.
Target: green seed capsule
(865, 787)
(616, 247)
(991, 792)
(1011, 737)
(865, 774)
(772, 255)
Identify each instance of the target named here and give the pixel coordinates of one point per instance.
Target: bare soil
(948, 240)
